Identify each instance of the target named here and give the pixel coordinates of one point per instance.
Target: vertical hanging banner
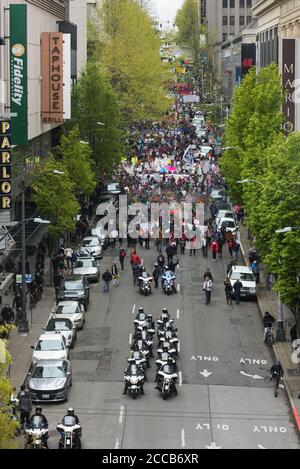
(18, 74)
(67, 76)
(288, 81)
(5, 165)
(52, 78)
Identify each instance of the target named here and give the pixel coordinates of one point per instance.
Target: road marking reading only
(121, 414)
(182, 438)
(180, 377)
(133, 309)
(130, 339)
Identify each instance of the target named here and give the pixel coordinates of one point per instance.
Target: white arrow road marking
(121, 414)
(182, 438)
(117, 443)
(261, 447)
(180, 377)
(213, 446)
(251, 376)
(130, 339)
(178, 314)
(205, 373)
(133, 309)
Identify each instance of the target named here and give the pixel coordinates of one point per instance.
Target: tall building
(225, 19)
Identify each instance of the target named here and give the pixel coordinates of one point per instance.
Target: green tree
(94, 101)
(77, 158)
(129, 52)
(189, 32)
(7, 425)
(55, 199)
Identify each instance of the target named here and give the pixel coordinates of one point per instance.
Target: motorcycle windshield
(133, 371)
(69, 421)
(36, 422)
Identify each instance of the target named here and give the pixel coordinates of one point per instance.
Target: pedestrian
(214, 247)
(107, 278)
(207, 287)
(147, 242)
(204, 246)
(182, 243)
(69, 254)
(237, 291)
(156, 275)
(115, 274)
(57, 279)
(170, 252)
(294, 336)
(135, 272)
(25, 405)
(208, 274)
(122, 255)
(7, 314)
(235, 249)
(256, 271)
(230, 246)
(228, 291)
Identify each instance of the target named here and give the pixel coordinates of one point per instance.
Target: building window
(242, 21)
(225, 3)
(242, 3)
(249, 18)
(232, 3)
(225, 37)
(232, 20)
(225, 20)
(249, 3)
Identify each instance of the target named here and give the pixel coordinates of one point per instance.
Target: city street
(219, 403)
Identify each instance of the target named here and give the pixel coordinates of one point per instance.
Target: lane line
(182, 438)
(180, 377)
(130, 339)
(178, 346)
(133, 309)
(121, 414)
(178, 314)
(178, 287)
(117, 444)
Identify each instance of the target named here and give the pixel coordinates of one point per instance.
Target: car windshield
(85, 263)
(48, 372)
(67, 309)
(243, 276)
(49, 345)
(60, 325)
(69, 421)
(228, 224)
(73, 285)
(90, 242)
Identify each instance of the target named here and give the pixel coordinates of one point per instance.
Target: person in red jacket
(134, 258)
(214, 247)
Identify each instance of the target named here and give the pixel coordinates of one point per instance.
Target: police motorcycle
(134, 378)
(168, 282)
(70, 433)
(167, 377)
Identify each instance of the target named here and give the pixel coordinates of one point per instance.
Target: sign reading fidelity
(5, 165)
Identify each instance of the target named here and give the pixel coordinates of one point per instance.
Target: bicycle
(269, 337)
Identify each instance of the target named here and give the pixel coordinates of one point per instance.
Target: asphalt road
(221, 408)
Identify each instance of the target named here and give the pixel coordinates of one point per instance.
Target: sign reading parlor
(52, 78)
(5, 167)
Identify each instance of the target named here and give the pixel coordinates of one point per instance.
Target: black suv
(75, 288)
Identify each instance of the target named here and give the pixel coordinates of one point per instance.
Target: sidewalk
(267, 300)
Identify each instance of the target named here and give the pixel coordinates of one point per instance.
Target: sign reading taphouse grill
(5, 165)
(18, 73)
(52, 78)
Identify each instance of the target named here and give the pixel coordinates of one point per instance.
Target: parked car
(73, 310)
(229, 223)
(50, 347)
(64, 326)
(75, 288)
(50, 380)
(245, 275)
(92, 246)
(87, 266)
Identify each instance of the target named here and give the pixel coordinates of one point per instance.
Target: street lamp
(23, 324)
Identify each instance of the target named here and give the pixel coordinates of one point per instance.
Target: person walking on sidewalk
(228, 291)
(69, 254)
(107, 278)
(256, 270)
(207, 287)
(294, 336)
(237, 291)
(7, 314)
(115, 274)
(25, 405)
(122, 255)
